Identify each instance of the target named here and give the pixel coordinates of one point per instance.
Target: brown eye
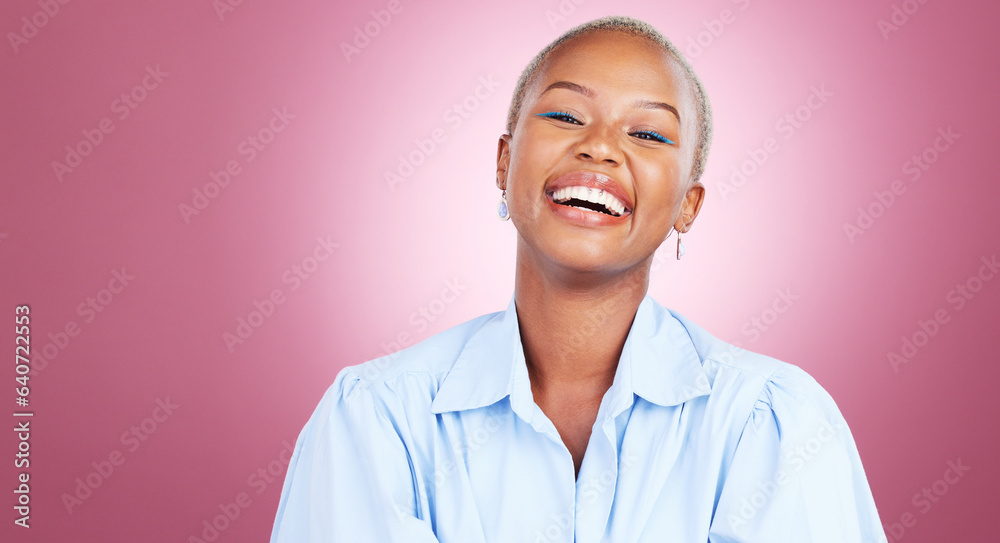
(653, 136)
(560, 115)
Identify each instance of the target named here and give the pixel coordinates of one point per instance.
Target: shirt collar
(659, 362)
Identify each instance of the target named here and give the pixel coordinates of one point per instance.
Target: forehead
(625, 65)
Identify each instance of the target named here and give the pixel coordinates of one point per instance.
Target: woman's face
(596, 172)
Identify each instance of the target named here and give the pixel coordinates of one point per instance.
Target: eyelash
(562, 115)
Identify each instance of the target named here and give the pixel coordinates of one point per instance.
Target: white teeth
(590, 194)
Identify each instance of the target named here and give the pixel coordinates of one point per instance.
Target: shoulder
(434, 355)
(758, 384)
(411, 374)
(787, 453)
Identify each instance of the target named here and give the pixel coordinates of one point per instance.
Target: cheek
(660, 187)
(531, 163)
(520, 191)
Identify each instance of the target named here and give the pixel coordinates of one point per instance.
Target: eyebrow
(589, 93)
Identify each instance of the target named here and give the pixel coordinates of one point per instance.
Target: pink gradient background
(323, 175)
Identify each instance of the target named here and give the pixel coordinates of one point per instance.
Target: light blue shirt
(695, 441)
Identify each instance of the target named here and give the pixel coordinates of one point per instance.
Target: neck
(573, 325)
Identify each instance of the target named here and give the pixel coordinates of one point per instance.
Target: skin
(577, 288)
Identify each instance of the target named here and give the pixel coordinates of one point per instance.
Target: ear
(503, 160)
(693, 199)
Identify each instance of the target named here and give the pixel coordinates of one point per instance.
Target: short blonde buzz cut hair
(634, 27)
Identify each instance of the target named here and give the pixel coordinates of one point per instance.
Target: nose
(601, 144)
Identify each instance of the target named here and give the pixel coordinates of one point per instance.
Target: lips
(590, 197)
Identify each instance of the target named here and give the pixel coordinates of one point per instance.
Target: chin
(578, 254)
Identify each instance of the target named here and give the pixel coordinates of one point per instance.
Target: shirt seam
(399, 442)
(753, 406)
(396, 375)
(766, 376)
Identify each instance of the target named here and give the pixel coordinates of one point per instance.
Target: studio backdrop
(207, 209)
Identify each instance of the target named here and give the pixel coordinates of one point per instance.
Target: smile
(589, 198)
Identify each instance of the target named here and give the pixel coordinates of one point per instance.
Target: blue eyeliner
(657, 136)
(556, 114)
(553, 114)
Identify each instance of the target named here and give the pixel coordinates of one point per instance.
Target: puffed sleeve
(796, 475)
(349, 478)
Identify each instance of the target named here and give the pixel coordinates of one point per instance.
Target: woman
(586, 411)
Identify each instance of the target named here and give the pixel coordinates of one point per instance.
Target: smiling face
(598, 167)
